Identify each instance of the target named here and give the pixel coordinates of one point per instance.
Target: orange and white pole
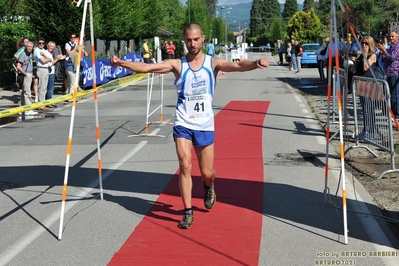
(69, 148)
(329, 70)
(93, 63)
(341, 135)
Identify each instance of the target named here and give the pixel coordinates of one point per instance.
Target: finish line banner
(104, 71)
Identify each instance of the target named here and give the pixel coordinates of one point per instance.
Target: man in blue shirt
(211, 49)
(280, 51)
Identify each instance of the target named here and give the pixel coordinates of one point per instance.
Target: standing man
(268, 47)
(280, 51)
(335, 48)
(195, 76)
(171, 50)
(25, 67)
(391, 65)
(147, 52)
(320, 60)
(70, 46)
(44, 61)
(298, 55)
(51, 80)
(211, 49)
(293, 56)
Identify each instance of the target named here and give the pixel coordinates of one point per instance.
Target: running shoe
(209, 196)
(188, 220)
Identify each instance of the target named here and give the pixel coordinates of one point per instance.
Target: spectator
(293, 56)
(25, 67)
(383, 41)
(280, 47)
(42, 69)
(147, 52)
(171, 50)
(164, 50)
(337, 49)
(71, 70)
(320, 60)
(289, 56)
(268, 47)
(298, 54)
(353, 47)
(211, 49)
(70, 46)
(83, 60)
(391, 65)
(20, 47)
(51, 79)
(44, 62)
(35, 78)
(363, 66)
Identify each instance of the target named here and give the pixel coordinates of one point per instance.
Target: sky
(233, 2)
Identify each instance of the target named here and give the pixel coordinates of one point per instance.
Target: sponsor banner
(104, 71)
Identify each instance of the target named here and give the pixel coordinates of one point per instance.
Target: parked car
(309, 56)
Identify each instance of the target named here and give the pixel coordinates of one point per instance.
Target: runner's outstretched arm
(241, 66)
(141, 67)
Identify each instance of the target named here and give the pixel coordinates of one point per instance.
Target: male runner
(195, 76)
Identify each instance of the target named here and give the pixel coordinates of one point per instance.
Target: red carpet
(230, 233)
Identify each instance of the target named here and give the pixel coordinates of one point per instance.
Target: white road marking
(13, 250)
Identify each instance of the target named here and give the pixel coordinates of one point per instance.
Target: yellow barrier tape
(115, 83)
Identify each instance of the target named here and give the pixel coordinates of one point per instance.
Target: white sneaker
(36, 99)
(31, 112)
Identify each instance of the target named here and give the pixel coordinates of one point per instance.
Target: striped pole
(340, 124)
(329, 70)
(95, 96)
(161, 94)
(75, 91)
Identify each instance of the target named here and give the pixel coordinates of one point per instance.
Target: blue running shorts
(198, 137)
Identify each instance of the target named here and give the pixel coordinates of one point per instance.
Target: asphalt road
(299, 226)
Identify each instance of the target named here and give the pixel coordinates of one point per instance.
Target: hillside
(238, 18)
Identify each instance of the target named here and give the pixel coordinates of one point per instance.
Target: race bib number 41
(199, 106)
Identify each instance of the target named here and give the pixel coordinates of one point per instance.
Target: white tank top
(195, 90)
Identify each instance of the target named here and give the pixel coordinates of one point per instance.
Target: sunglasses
(365, 43)
(40, 42)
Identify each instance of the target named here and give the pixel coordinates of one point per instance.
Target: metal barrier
(343, 81)
(150, 85)
(372, 118)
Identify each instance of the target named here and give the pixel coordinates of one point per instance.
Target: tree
(211, 4)
(219, 30)
(323, 9)
(174, 17)
(199, 13)
(304, 27)
(53, 19)
(277, 32)
(290, 8)
(271, 11)
(307, 5)
(388, 12)
(256, 24)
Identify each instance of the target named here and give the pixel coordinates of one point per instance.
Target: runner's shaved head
(193, 26)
